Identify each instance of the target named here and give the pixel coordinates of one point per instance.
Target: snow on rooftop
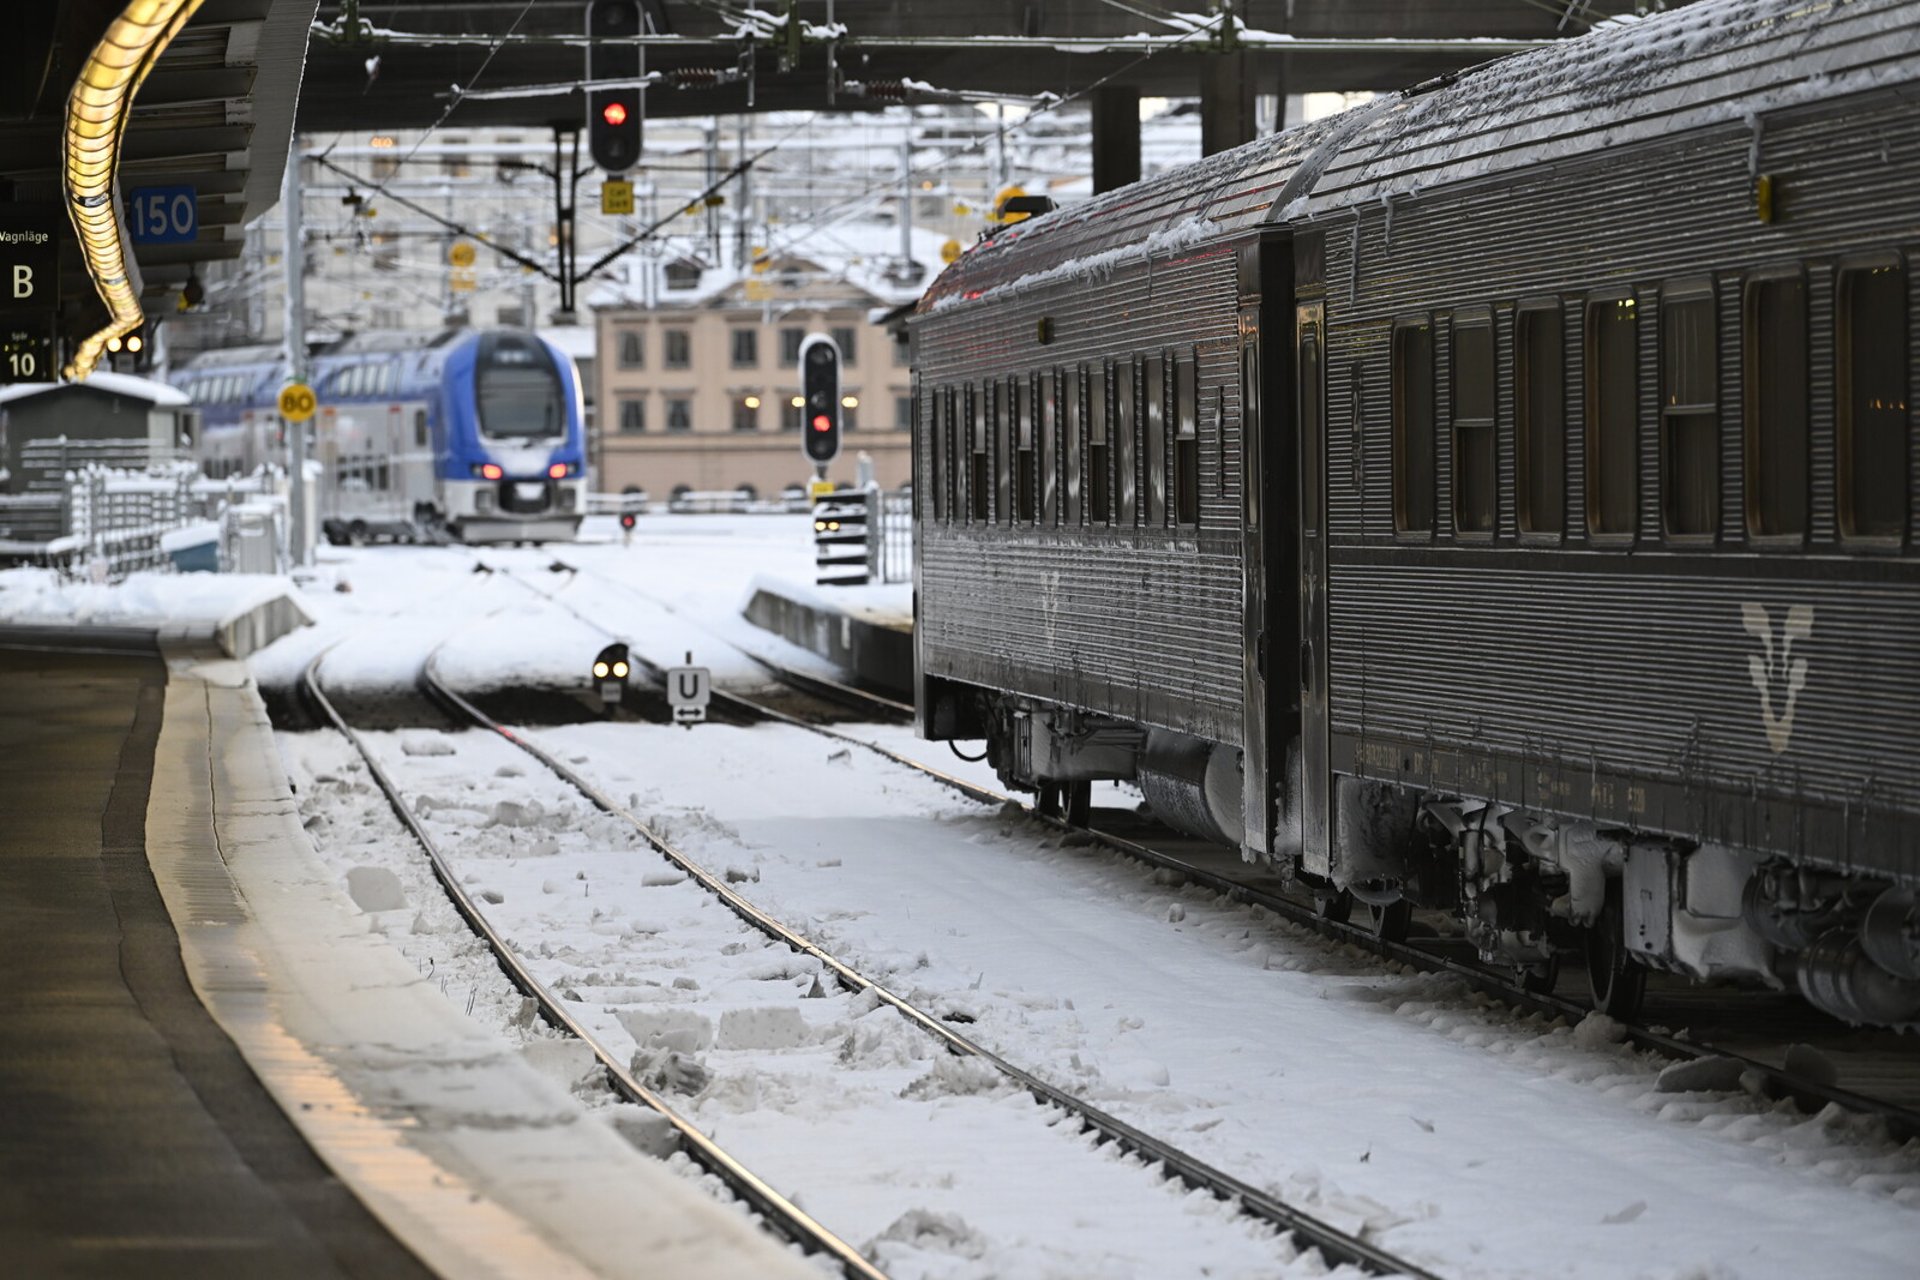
(124, 384)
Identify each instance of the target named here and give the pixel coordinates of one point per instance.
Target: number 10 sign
(163, 215)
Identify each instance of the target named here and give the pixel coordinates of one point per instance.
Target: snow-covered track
(1309, 1232)
(1254, 887)
(779, 1213)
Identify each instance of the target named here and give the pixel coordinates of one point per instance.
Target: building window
(902, 352)
(454, 163)
(1099, 448)
(1186, 443)
(1613, 437)
(1689, 416)
(1473, 457)
(1413, 428)
(746, 413)
(903, 413)
(1539, 362)
(843, 339)
(679, 414)
(513, 317)
(679, 348)
(790, 340)
(793, 414)
(1871, 398)
(683, 274)
(633, 415)
(386, 165)
(746, 348)
(633, 350)
(1777, 406)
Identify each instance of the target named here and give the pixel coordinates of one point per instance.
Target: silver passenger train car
(1499, 498)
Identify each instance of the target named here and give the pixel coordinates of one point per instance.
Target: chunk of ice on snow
(422, 745)
(375, 889)
(768, 1027)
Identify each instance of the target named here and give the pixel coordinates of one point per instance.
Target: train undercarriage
(1529, 888)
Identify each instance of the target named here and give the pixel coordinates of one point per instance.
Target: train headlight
(559, 471)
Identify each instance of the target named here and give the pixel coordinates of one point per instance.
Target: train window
(1074, 395)
(1413, 428)
(1539, 372)
(677, 350)
(978, 477)
(1473, 439)
(633, 349)
(1871, 397)
(1186, 443)
(1126, 461)
(1000, 433)
(937, 439)
(1774, 348)
(1155, 420)
(950, 455)
(1689, 415)
(1047, 392)
(1026, 469)
(419, 428)
(1099, 448)
(1613, 436)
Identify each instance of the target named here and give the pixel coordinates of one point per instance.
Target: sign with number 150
(163, 215)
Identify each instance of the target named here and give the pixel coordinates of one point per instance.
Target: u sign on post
(610, 668)
(689, 689)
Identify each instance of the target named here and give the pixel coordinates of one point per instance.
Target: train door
(1310, 427)
(1269, 714)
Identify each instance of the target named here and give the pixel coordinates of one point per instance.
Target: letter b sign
(22, 281)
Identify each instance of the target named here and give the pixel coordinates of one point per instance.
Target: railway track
(1705, 1033)
(1309, 1232)
(778, 1212)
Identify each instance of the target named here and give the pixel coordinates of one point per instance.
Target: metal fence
(862, 536)
(106, 523)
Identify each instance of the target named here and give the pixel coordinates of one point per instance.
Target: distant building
(698, 365)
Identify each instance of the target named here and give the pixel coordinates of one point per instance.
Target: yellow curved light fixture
(97, 112)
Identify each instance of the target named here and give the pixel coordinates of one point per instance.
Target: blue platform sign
(163, 215)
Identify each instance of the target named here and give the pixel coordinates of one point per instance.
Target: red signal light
(491, 471)
(614, 113)
(558, 470)
(821, 422)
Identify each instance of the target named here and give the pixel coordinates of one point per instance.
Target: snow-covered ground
(1455, 1132)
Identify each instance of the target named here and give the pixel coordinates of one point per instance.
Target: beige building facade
(697, 393)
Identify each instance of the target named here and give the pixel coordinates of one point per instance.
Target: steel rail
(1335, 1245)
(785, 1218)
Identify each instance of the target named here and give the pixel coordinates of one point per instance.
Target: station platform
(213, 1068)
(866, 631)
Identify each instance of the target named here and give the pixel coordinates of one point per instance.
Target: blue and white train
(475, 433)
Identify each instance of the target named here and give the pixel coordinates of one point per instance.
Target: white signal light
(620, 669)
(600, 671)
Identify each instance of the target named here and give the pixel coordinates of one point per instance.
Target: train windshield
(519, 392)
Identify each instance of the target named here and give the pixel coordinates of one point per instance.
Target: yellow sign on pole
(950, 251)
(462, 254)
(297, 402)
(616, 196)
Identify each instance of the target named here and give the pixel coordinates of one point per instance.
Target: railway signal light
(614, 115)
(820, 397)
(610, 668)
